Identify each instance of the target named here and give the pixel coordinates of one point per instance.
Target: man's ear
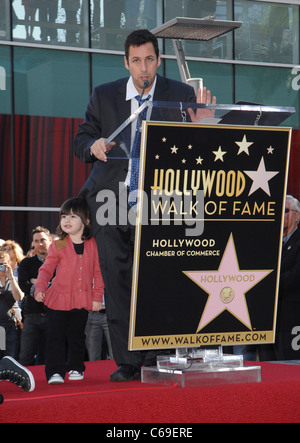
(158, 60)
(126, 63)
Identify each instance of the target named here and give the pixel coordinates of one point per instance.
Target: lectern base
(190, 378)
(206, 368)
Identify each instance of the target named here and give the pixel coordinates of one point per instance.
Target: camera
(2, 268)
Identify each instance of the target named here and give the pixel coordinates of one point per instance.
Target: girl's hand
(40, 297)
(97, 306)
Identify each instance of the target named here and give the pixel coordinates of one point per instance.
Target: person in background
(31, 7)
(286, 345)
(97, 335)
(10, 313)
(288, 317)
(33, 340)
(48, 15)
(71, 8)
(15, 253)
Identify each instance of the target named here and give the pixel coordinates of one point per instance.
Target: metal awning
(201, 29)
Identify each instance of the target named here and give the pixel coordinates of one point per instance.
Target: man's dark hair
(40, 229)
(140, 37)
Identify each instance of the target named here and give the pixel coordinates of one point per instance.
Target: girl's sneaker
(56, 379)
(75, 375)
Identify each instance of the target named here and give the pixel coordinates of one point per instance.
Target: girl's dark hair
(76, 206)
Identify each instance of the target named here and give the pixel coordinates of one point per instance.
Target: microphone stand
(146, 84)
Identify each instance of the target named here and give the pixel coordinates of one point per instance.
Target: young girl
(76, 288)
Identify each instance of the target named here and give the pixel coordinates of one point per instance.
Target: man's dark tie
(135, 156)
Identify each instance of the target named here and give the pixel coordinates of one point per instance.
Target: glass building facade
(53, 52)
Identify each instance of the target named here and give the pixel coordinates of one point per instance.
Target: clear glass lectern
(239, 114)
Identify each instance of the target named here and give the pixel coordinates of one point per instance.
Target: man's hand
(99, 149)
(203, 97)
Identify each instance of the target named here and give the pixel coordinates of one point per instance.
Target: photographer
(10, 314)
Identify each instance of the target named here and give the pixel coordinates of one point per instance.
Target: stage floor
(97, 400)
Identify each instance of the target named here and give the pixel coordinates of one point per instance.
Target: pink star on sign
(227, 287)
(261, 178)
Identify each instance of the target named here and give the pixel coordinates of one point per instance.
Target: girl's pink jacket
(78, 279)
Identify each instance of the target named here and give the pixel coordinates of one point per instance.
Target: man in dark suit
(34, 334)
(110, 105)
(287, 342)
(286, 347)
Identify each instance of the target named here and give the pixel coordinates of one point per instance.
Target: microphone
(146, 84)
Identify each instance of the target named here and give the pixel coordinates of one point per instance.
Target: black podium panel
(208, 241)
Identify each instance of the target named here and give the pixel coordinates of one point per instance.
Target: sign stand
(200, 367)
(208, 239)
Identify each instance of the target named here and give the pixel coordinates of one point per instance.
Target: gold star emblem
(199, 160)
(174, 150)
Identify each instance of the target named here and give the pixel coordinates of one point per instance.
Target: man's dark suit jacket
(289, 299)
(106, 111)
